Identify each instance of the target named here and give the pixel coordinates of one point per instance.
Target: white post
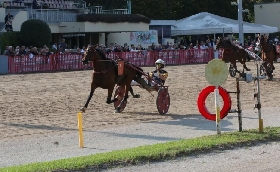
(217, 107)
(240, 22)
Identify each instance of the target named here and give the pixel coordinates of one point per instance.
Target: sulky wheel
(232, 71)
(119, 93)
(163, 101)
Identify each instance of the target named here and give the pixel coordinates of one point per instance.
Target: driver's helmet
(160, 62)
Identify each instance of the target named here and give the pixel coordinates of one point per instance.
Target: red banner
(69, 62)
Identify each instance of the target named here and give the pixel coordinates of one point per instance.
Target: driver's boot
(144, 84)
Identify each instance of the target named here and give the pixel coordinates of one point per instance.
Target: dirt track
(47, 103)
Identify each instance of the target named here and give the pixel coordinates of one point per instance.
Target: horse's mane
(101, 54)
(228, 41)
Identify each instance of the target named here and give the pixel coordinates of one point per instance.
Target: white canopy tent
(207, 23)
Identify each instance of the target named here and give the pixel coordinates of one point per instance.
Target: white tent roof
(207, 23)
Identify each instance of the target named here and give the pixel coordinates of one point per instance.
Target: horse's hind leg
(110, 92)
(118, 109)
(127, 86)
(132, 93)
(243, 61)
(245, 67)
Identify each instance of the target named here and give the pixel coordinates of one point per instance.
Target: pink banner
(69, 62)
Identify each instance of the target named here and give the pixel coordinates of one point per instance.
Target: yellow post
(80, 127)
(261, 125)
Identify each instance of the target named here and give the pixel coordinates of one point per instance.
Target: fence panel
(29, 63)
(69, 62)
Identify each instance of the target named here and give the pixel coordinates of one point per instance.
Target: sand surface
(46, 104)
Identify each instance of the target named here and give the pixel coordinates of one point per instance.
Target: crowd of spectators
(182, 45)
(61, 48)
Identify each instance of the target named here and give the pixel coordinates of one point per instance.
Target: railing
(53, 15)
(71, 62)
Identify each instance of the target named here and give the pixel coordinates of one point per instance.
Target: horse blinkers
(86, 57)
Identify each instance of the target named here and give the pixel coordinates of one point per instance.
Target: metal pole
(129, 6)
(161, 33)
(239, 111)
(258, 105)
(240, 22)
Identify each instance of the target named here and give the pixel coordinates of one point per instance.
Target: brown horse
(231, 53)
(105, 75)
(269, 55)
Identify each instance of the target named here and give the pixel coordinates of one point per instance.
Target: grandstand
(61, 16)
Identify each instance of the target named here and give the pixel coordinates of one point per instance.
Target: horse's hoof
(117, 111)
(136, 96)
(83, 109)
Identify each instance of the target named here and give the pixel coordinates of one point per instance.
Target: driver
(159, 75)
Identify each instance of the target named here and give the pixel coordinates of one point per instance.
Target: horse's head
(223, 43)
(263, 39)
(89, 54)
(218, 43)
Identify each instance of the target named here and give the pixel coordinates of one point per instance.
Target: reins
(103, 71)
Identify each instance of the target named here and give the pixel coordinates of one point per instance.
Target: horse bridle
(103, 71)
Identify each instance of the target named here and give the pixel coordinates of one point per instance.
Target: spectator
(78, 51)
(35, 4)
(203, 46)
(8, 22)
(276, 39)
(63, 44)
(61, 50)
(22, 51)
(8, 17)
(83, 50)
(126, 48)
(17, 50)
(54, 47)
(110, 49)
(153, 47)
(118, 48)
(6, 50)
(10, 51)
(34, 51)
(197, 46)
(9, 26)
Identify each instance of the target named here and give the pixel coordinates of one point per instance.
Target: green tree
(35, 33)
(178, 9)
(9, 39)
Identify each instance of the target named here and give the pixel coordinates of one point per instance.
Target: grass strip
(152, 153)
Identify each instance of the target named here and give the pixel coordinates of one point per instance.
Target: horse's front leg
(235, 67)
(83, 109)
